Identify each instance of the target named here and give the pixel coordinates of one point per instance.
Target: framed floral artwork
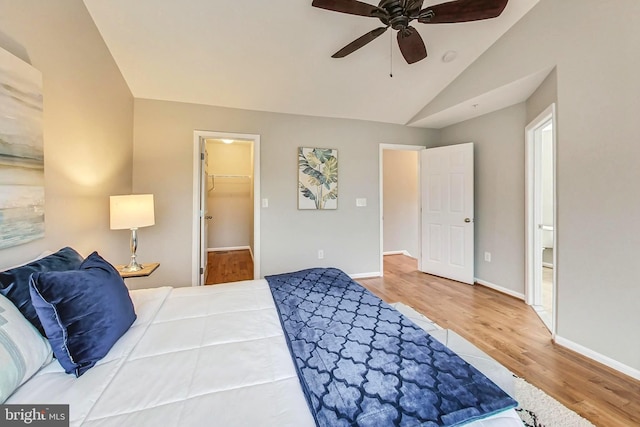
(317, 178)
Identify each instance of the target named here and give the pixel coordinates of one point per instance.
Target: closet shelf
(215, 175)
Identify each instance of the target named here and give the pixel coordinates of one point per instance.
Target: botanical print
(317, 178)
(21, 152)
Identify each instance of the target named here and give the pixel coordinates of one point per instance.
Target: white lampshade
(132, 211)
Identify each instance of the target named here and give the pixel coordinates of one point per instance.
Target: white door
(447, 212)
(541, 258)
(204, 215)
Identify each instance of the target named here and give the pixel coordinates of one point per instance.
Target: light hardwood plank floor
(509, 331)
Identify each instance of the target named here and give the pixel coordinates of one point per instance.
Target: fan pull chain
(391, 54)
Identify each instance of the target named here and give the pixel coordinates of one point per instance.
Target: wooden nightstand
(147, 269)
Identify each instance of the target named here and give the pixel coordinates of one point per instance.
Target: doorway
(399, 201)
(229, 210)
(444, 207)
(541, 242)
(226, 199)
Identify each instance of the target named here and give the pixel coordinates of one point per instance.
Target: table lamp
(132, 212)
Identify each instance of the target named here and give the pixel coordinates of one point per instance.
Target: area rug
(538, 409)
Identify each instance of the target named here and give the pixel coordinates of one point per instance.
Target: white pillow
(23, 351)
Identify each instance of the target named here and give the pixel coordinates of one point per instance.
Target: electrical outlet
(487, 256)
(320, 254)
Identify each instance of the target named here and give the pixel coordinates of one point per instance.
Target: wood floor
(229, 266)
(509, 330)
(502, 326)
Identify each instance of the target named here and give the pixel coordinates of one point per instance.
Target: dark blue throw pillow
(84, 312)
(14, 283)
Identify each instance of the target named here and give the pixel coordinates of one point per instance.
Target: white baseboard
(601, 358)
(499, 288)
(402, 252)
(230, 248)
(365, 275)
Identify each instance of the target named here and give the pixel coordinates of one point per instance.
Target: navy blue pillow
(84, 312)
(14, 283)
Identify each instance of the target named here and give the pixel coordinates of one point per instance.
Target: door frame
(397, 147)
(199, 136)
(532, 199)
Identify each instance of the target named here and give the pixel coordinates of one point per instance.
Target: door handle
(467, 220)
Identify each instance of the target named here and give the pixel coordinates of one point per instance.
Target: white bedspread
(210, 356)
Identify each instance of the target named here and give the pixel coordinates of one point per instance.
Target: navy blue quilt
(362, 363)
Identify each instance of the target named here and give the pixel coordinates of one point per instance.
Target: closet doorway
(227, 217)
(229, 210)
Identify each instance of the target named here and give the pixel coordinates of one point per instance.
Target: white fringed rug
(538, 409)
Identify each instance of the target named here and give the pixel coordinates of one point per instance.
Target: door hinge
(201, 270)
(201, 156)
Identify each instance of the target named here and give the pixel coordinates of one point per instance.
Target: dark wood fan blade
(462, 11)
(352, 7)
(411, 45)
(413, 7)
(358, 43)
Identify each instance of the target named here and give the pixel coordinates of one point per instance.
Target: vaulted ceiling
(275, 56)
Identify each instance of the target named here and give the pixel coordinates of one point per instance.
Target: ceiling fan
(398, 14)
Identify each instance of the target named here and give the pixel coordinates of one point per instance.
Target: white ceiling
(275, 56)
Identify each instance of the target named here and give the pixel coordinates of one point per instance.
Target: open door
(541, 244)
(447, 212)
(204, 215)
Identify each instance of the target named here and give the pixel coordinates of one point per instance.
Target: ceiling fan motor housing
(395, 14)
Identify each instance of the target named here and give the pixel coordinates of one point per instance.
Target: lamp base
(133, 244)
(132, 267)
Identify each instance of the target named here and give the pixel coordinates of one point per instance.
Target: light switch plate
(361, 203)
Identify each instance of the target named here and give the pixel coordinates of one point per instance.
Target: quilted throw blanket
(362, 363)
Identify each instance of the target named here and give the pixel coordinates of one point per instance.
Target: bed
(196, 356)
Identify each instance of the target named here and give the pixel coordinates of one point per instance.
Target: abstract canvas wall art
(21, 152)
(317, 178)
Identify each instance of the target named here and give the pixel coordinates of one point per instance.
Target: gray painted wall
(591, 43)
(88, 125)
(401, 202)
(599, 177)
(349, 236)
(499, 193)
(545, 95)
